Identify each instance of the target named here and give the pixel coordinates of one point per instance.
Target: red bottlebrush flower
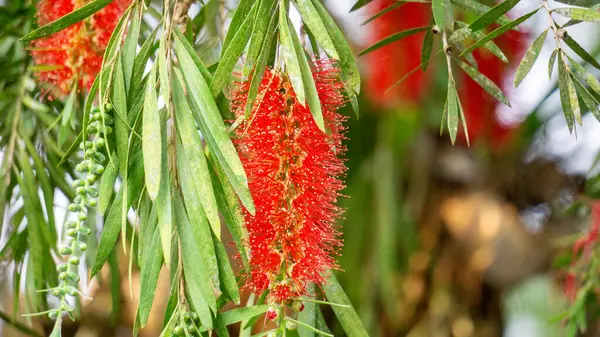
(73, 56)
(386, 65)
(480, 107)
(293, 174)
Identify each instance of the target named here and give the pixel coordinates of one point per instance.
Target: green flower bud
(74, 260)
(108, 107)
(66, 307)
(80, 190)
(66, 251)
(61, 268)
(92, 130)
(53, 314)
(291, 325)
(82, 216)
(72, 232)
(92, 202)
(98, 169)
(82, 246)
(191, 327)
(71, 291)
(89, 152)
(57, 292)
(95, 109)
(78, 183)
(74, 277)
(71, 224)
(107, 129)
(99, 157)
(74, 207)
(63, 276)
(100, 142)
(92, 192)
(178, 330)
(195, 317)
(91, 179)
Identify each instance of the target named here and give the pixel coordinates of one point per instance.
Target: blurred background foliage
(439, 240)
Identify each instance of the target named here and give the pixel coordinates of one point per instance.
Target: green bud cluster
(188, 325)
(90, 169)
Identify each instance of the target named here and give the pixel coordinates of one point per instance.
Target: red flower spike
(293, 175)
(73, 56)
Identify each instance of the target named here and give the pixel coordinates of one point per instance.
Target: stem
(553, 26)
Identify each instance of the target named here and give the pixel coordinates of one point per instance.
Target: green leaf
(113, 220)
(209, 119)
(581, 14)
(587, 99)
(243, 314)
(262, 18)
(226, 275)
(452, 111)
(347, 59)
(360, 4)
(199, 225)
(163, 200)
(259, 69)
(56, 331)
(298, 69)
(193, 147)
(197, 281)
(46, 185)
(493, 14)
(311, 18)
(465, 32)
(241, 12)
(439, 12)
(573, 22)
(349, 319)
(551, 62)
(589, 78)
(119, 100)
(308, 316)
(149, 277)
(426, 49)
(164, 56)
(384, 11)
(488, 85)
(151, 138)
(232, 54)
(139, 65)
(393, 38)
(192, 54)
(565, 94)
(229, 205)
(130, 46)
(530, 57)
(499, 31)
(578, 49)
(478, 8)
(581, 3)
(69, 107)
(107, 185)
(67, 20)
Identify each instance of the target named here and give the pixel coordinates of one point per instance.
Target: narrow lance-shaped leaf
(493, 14)
(578, 49)
(438, 7)
(576, 13)
(349, 319)
(241, 12)
(347, 59)
(551, 62)
(589, 78)
(530, 57)
(298, 69)
(587, 98)
(130, 46)
(565, 96)
(475, 7)
(499, 31)
(393, 38)
(193, 147)
(207, 115)
(452, 114)
(263, 16)
(311, 18)
(426, 49)
(232, 53)
(67, 20)
(163, 199)
(149, 277)
(151, 138)
(488, 85)
(119, 99)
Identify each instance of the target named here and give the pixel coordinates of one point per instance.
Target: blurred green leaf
(565, 93)
(260, 36)
(551, 62)
(439, 12)
(578, 49)
(488, 85)
(311, 18)
(475, 7)
(493, 14)
(149, 277)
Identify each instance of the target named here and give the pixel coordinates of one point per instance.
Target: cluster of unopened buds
(91, 169)
(189, 324)
(279, 314)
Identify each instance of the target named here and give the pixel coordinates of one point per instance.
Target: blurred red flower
(293, 174)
